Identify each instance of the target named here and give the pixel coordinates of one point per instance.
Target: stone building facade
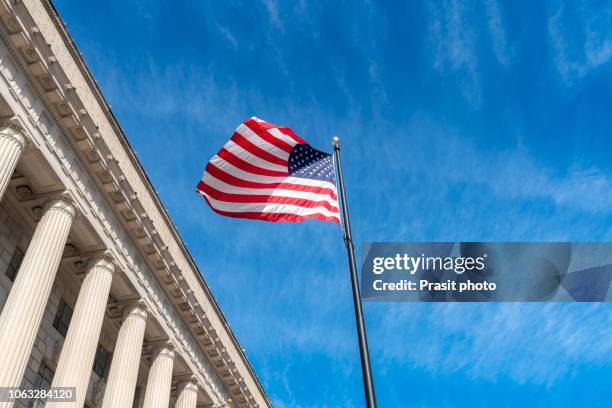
(97, 289)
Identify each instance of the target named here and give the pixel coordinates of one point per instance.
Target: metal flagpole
(366, 370)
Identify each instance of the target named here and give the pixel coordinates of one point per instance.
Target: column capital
(136, 308)
(188, 384)
(61, 203)
(14, 132)
(103, 261)
(166, 349)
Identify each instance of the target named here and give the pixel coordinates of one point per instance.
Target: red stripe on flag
(257, 151)
(238, 182)
(272, 199)
(261, 123)
(290, 133)
(267, 136)
(246, 166)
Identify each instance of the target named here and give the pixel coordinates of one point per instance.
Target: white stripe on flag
(280, 135)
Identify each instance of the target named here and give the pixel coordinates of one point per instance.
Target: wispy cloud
(448, 157)
(503, 52)
(581, 39)
(272, 9)
(515, 173)
(453, 40)
(537, 344)
(228, 35)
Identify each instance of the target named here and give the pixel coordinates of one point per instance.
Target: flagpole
(366, 370)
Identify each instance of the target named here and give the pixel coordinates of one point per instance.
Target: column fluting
(123, 373)
(79, 350)
(187, 395)
(25, 305)
(159, 383)
(12, 144)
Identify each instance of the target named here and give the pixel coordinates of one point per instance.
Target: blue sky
(460, 120)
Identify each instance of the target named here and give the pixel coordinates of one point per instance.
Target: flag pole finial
(335, 141)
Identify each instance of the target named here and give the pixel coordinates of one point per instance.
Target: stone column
(28, 298)
(123, 373)
(159, 383)
(12, 143)
(79, 350)
(187, 395)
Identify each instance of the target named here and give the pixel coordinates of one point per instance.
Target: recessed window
(43, 380)
(101, 361)
(44, 377)
(14, 264)
(62, 318)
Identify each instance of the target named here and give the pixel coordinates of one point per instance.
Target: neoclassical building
(97, 289)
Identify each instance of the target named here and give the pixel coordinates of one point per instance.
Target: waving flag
(267, 172)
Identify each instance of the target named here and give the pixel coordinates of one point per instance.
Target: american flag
(267, 172)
